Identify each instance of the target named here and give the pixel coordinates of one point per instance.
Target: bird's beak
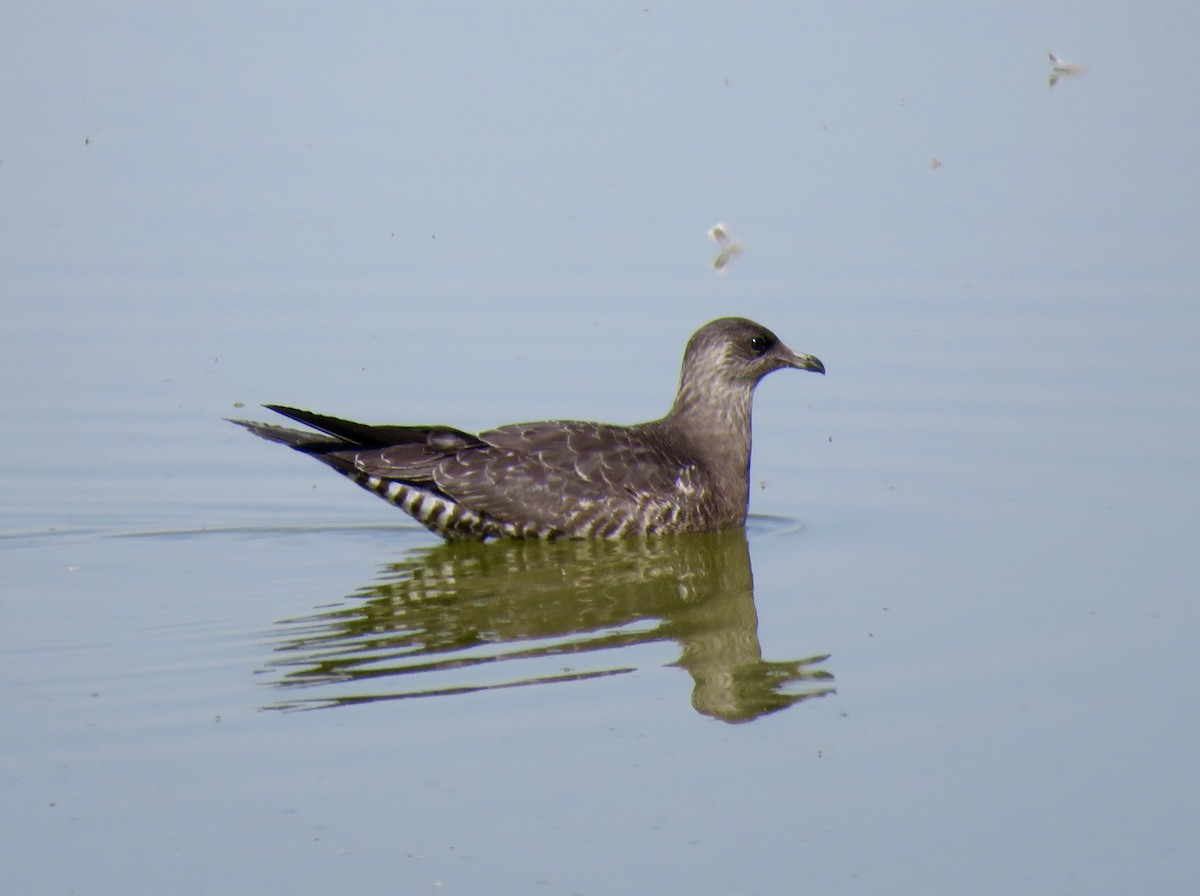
(805, 362)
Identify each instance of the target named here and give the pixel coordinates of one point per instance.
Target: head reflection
(464, 616)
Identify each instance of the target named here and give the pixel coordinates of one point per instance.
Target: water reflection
(463, 617)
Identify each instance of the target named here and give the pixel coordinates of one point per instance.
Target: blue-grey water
(954, 651)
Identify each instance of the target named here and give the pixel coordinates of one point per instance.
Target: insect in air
(1060, 67)
(731, 247)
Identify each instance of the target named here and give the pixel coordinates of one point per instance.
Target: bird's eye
(759, 344)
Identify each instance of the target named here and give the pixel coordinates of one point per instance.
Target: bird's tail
(336, 453)
(293, 438)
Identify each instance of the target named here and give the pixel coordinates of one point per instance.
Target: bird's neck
(717, 424)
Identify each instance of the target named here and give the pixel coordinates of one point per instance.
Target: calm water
(954, 650)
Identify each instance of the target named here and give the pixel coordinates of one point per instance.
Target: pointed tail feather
(337, 453)
(294, 438)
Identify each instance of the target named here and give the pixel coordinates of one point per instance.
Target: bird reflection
(461, 617)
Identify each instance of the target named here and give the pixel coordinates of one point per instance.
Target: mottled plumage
(686, 472)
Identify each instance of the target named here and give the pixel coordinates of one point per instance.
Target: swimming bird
(688, 471)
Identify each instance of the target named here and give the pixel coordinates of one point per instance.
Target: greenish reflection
(463, 616)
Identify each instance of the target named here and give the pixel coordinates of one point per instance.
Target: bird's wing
(365, 435)
(390, 452)
(416, 460)
(546, 475)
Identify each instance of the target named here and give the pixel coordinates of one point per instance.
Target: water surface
(953, 652)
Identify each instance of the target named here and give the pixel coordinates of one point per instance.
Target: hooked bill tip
(809, 362)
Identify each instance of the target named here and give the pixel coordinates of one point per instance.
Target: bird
(688, 471)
